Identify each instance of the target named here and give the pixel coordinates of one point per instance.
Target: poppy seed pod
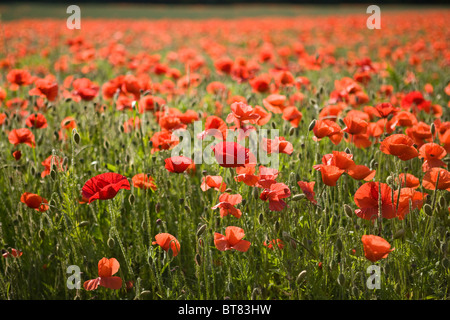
(341, 279)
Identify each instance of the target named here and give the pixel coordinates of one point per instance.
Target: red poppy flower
(367, 197)
(231, 154)
(167, 241)
(163, 140)
(275, 242)
(432, 153)
(14, 253)
(399, 145)
(375, 248)
(227, 203)
(308, 190)
(267, 177)
(355, 125)
(277, 145)
(408, 180)
(247, 175)
(431, 178)
(143, 181)
(408, 199)
(36, 120)
(385, 109)
(178, 164)
(328, 128)
(23, 135)
(275, 103)
(215, 182)
(47, 163)
(34, 201)
(231, 240)
(45, 88)
(17, 155)
(214, 126)
(242, 113)
(293, 115)
(104, 186)
(106, 269)
(275, 194)
(264, 116)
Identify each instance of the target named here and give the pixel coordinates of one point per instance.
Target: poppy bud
(348, 151)
(312, 102)
(145, 293)
(312, 125)
(274, 125)
(76, 136)
(201, 229)
(348, 210)
(17, 155)
(261, 218)
(389, 180)
(433, 128)
(198, 260)
(228, 190)
(339, 245)
(200, 243)
(131, 199)
(181, 200)
(428, 209)
(277, 226)
(399, 234)
(53, 174)
(255, 293)
(301, 277)
(83, 223)
(111, 243)
(52, 203)
(42, 234)
(291, 131)
(444, 247)
(157, 207)
(158, 222)
(341, 122)
(255, 193)
(341, 279)
(355, 291)
(298, 197)
(230, 287)
(293, 243)
(445, 263)
(442, 202)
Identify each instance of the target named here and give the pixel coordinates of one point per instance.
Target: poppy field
(101, 197)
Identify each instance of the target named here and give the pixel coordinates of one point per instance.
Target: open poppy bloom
(275, 194)
(275, 242)
(375, 248)
(408, 199)
(267, 177)
(385, 109)
(308, 190)
(399, 145)
(104, 186)
(23, 135)
(163, 140)
(47, 163)
(178, 164)
(227, 203)
(242, 113)
(432, 153)
(36, 120)
(408, 180)
(45, 88)
(231, 240)
(34, 201)
(366, 198)
(277, 145)
(328, 128)
(214, 126)
(167, 242)
(247, 175)
(355, 125)
(215, 182)
(14, 253)
(264, 116)
(293, 115)
(231, 154)
(336, 163)
(143, 181)
(106, 269)
(431, 178)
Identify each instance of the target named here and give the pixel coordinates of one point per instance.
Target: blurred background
(199, 9)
